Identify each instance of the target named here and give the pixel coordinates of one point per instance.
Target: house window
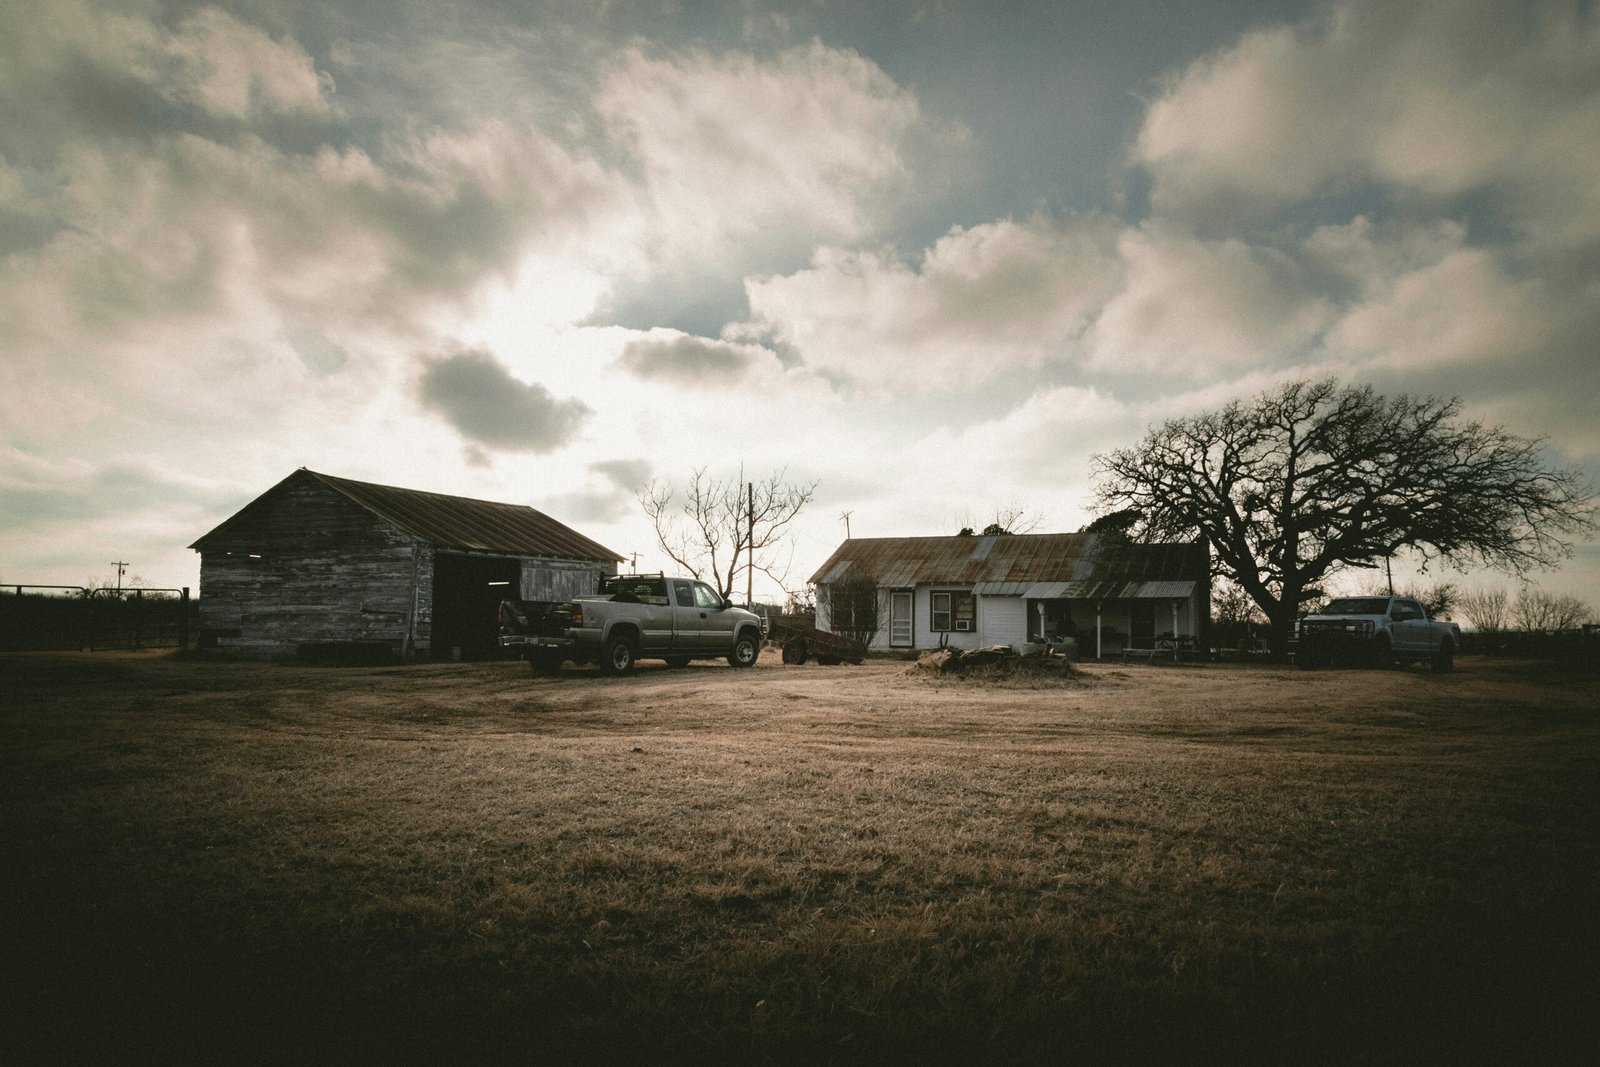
(953, 611)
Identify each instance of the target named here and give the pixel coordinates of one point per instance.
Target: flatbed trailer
(800, 643)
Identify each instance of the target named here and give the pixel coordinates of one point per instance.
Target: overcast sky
(931, 255)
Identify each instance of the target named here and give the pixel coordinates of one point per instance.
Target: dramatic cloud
(935, 280)
(1191, 307)
(1437, 100)
(481, 399)
(981, 302)
(740, 153)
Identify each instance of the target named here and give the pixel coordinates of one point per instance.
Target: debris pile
(995, 659)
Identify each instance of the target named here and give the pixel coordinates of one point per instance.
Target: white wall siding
(1003, 620)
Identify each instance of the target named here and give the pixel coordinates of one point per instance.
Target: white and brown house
(973, 591)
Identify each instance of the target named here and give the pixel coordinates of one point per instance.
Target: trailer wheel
(795, 652)
(619, 655)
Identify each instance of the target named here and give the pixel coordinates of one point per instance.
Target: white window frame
(951, 597)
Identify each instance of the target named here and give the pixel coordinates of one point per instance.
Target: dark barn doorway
(467, 591)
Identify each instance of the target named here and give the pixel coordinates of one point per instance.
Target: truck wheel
(1444, 660)
(745, 651)
(1382, 653)
(619, 655)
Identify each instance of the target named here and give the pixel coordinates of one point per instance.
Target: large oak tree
(1311, 478)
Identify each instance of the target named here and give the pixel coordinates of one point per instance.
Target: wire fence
(61, 618)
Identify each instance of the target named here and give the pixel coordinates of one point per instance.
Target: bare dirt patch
(795, 863)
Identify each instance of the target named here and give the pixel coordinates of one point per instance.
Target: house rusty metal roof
(450, 522)
(1040, 566)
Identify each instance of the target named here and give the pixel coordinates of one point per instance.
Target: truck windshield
(1365, 605)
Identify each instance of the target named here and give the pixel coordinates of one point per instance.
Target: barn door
(900, 634)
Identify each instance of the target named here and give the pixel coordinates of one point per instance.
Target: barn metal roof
(1041, 566)
(453, 522)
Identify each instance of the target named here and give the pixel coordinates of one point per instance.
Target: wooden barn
(329, 566)
(972, 591)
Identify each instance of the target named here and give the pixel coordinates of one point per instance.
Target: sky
(931, 256)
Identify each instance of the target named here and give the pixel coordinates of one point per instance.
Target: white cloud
(1462, 310)
(1436, 99)
(982, 302)
(1192, 308)
(738, 153)
(238, 70)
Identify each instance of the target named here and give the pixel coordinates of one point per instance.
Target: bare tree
(1312, 478)
(1536, 609)
(1010, 518)
(715, 527)
(855, 607)
(1486, 609)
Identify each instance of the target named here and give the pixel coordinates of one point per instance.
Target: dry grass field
(215, 862)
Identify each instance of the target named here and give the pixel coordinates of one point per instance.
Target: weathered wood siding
(309, 566)
(562, 579)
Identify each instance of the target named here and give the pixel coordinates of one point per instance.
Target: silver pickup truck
(1376, 631)
(632, 617)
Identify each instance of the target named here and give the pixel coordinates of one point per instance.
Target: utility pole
(750, 569)
(844, 517)
(122, 567)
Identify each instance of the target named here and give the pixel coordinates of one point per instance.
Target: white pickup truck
(632, 617)
(1376, 631)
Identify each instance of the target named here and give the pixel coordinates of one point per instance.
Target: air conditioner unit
(963, 624)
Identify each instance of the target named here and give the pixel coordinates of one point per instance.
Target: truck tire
(745, 650)
(1444, 660)
(619, 655)
(1382, 653)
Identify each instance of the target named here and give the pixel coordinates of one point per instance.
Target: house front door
(1142, 624)
(900, 633)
